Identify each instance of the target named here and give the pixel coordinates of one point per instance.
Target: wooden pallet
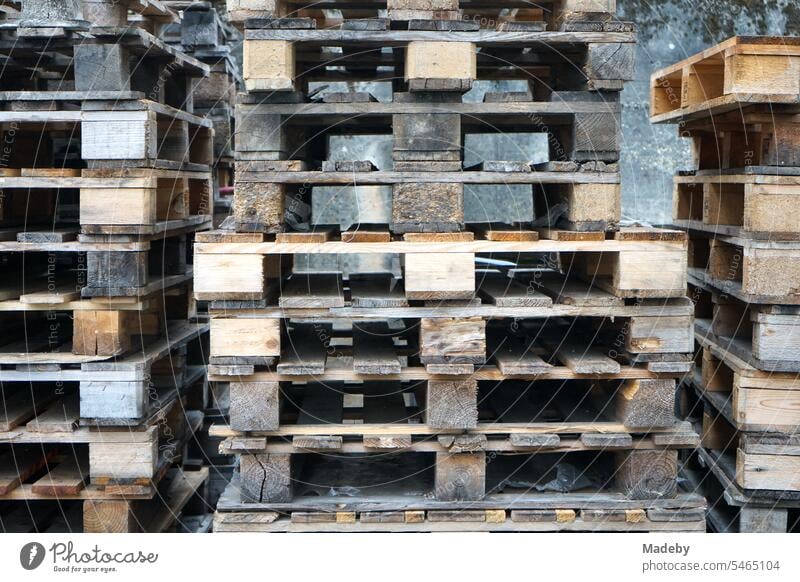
(129, 134)
(758, 206)
(100, 268)
(52, 458)
(160, 514)
(147, 201)
(114, 392)
(760, 336)
(755, 400)
(753, 271)
(435, 60)
(728, 510)
(67, 15)
(636, 263)
(440, 405)
(741, 71)
(764, 466)
(273, 474)
(53, 319)
(99, 62)
(447, 346)
(555, 512)
(279, 146)
(428, 127)
(513, 15)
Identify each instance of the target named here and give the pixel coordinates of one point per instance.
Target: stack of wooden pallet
(484, 376)
(202, 35)
(105, 177)
(738, 102)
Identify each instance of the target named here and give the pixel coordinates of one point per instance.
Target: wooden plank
(505, 292)
(305, 349)
(312, 290)
(373, 350)
(585, 360)
(22, 404)
(61, 416)
(68, 477)
(375, 290)
(574, 292)
(519, 358)
(20, 464)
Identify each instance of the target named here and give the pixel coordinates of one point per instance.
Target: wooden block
(427, 137)
(495, 516)
(647, 403)
(660, 335)
(773, 472)
(113, 400)
(635, 516)
(266, 478)
(460, 477)
(101, 67)
(262, 133)
(593, 203)
(110, 270)
(258, 207)
(543, 515)
(233, 276)
(775, 338)
(452, 404)
(452, 340)
(603, 515)
(256, 336)
(647, 474)
(254, 406)
(463, 443)
(268, 65)
(442, 276)
(644, 274)
(414, 516)
(100, 333)
(609, 61)
(132, 137)
(132, 206)
(427, 60)
(762, 73)
(755, 519)
(427, 207)
(111, 462)
(109, 517)
(769, 272)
